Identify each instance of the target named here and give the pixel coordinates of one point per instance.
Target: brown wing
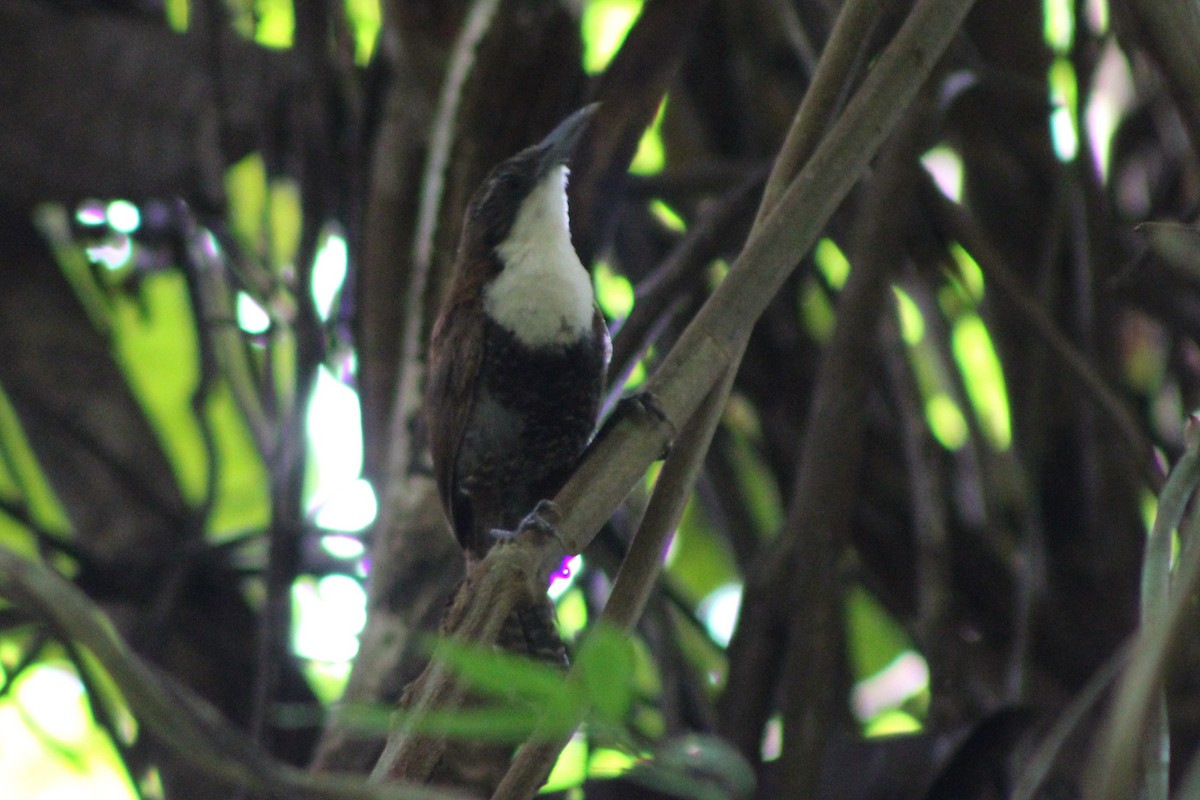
(455, 354)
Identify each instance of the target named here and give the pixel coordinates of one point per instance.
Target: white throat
(543, 295)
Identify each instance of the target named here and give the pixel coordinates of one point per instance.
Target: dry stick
(1067, 723)
(229, 348)
(635, 579)
(184, 723)
(829, 84)
(714, 338)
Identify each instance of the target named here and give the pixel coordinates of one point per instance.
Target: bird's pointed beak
(560, 143)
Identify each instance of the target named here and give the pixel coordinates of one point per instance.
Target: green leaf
(503, 675)
(696, 768)
(605, 666)
(875, 638)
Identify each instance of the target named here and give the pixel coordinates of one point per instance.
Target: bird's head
(524, 197)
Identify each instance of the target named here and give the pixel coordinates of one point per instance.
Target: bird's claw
(543, 520)
(648, 403)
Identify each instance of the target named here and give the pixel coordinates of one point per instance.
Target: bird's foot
(543, 520)
(639, 404)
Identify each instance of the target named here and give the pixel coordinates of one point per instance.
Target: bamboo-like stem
(816, 110)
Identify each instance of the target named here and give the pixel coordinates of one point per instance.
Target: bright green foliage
(571, 767)
(815, 310)
(614, 292)
(699, 559)
(572, 613)
(366, 19)
(178, 13)
(284, 218)
(668, 216)
(22, 481)
(52, 747)
(647, 685)
(242, 501)
(605, 665)
(912, 321)
(874, 638)
(264, 214)
(1058, 20)
(650, 156)
(970, 276)
(276, 23)
(892, 723)
(521, 694)
(755, 479)
(604, 26)
(983, 378)
(158, 352)
(832, 262)
(946, 421)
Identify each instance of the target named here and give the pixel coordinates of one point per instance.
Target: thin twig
(215, 314)
(657, 297)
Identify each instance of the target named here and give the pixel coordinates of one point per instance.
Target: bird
(519, 349)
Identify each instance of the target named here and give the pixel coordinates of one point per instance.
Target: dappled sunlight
(904, 678)
(329, 273)
(52, 748)
(604, 25)
(719, 612)
(330, 612)
(946, 169)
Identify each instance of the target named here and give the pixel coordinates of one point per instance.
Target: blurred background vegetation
(224, 225)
